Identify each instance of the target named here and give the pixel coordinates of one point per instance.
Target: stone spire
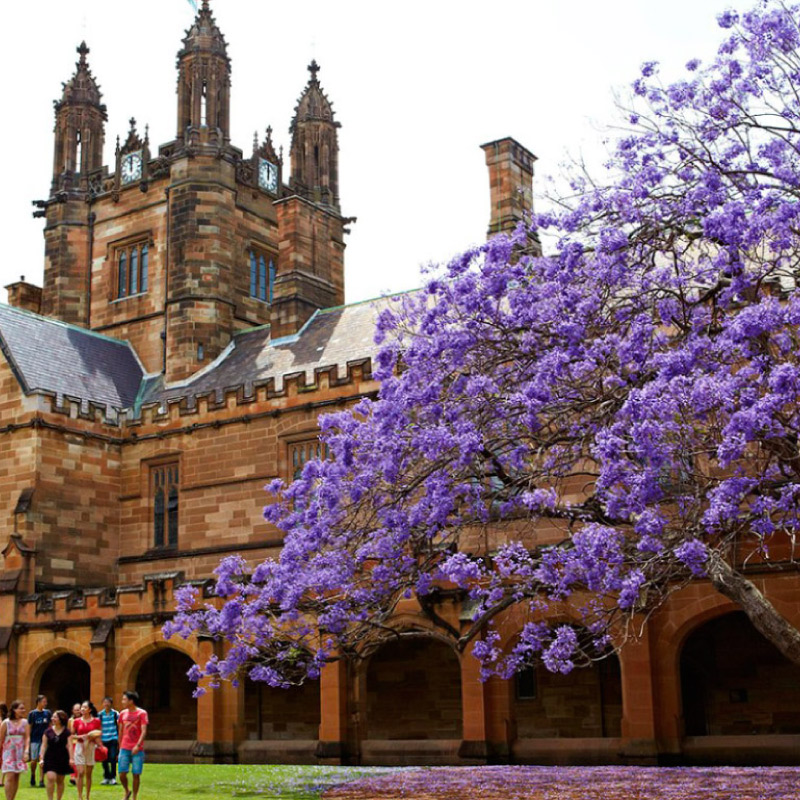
(204, 72)
(80, 124)
(82, 88)
(315, 146)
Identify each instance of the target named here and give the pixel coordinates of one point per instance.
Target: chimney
(25, 295)
(510, 183)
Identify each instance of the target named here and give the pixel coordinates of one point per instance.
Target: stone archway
(736, 683)
(166, 693)
(413, 691)
(65, 680)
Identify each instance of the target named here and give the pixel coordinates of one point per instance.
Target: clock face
(267, 175)
(131, 169)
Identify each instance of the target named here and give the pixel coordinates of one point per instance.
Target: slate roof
(332, 337)
(52, 356)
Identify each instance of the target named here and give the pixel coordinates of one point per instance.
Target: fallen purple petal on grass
(578, 783)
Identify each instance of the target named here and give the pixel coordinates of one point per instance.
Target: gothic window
(164, 487)
(301, 452)
(262, 274)
(78, 152)
(132, 264)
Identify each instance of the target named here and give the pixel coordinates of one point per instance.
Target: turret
(79, 139)
(315, 146)
(310, 272)
(80, 127)
(204, 83)
(205, 268)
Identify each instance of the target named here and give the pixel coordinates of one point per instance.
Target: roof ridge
(68, 325)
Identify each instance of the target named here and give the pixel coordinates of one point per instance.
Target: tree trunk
(764, 616)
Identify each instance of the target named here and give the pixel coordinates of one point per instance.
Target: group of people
(61, 746)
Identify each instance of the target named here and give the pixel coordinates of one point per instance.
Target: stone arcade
(190, 329)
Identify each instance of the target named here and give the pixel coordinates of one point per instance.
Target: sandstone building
(190, 329)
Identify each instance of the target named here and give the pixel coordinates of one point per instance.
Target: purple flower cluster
(628, 402)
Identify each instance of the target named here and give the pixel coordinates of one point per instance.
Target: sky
(418, 86)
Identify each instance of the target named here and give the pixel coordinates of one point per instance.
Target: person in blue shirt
(39, 722)
(110, 736)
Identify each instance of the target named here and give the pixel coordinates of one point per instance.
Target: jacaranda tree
(615, 418)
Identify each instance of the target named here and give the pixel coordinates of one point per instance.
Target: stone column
(333, 686)
(638, 702)
(474, 711)
(98, 667)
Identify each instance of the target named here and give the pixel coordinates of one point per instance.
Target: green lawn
(167, 781)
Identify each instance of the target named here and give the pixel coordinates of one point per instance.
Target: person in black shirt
(54, 759)
(39, 722)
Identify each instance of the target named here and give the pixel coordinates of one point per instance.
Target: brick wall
(75, 510)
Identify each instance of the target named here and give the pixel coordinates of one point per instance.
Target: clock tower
(178, 250)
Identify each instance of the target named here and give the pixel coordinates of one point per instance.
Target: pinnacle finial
(269, 133)
(255, 141)
(314, 68)
(205, 7)
(83, 51)
(132, 122)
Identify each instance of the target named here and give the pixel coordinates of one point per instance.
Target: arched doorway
(734, 682)
(66, 680)
(166, 693)
(413, 691)
(584, 703)
(286, 714)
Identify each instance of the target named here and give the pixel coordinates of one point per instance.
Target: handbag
(100, 752)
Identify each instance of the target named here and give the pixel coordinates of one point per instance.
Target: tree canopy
(598, 425)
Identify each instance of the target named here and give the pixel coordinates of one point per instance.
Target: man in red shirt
(133, 724)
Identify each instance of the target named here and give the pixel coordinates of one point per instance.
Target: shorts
(36, 749)
(128, 761)
(84, 756)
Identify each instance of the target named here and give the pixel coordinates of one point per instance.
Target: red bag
(100, 752)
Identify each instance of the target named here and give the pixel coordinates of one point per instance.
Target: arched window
(253, 274)
(271, 278)
(262, 274)
(144, 268)
(172, 517)
(204, 105)
(78, 151)
(158, 518)
(262, 278)
(165, 492)
(135, 270)
(133, 266)
(122, 285)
